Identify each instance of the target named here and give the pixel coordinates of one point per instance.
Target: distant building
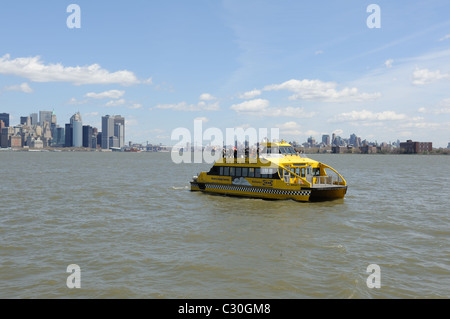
(16, 141)
(99, 139)
(326, 140)
(87, 136)
(119, 129)
(5, 137)
(339, 149)
(107, 130)
(45, 116)
(368, 149)
(119, 133)
(411, 147)
(37, 143)
(34, 118)
(5, 118)
(59, 137)
(76, 127)
(68, 135)
(113, 126)
(448, 146)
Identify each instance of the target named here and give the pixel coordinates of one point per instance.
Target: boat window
(221, 171)
(245, 171)
(303, 172)
(280, 172)
(214, 170)
(316, 171)
(287, 150)
(226, 171)
(238, 171)
(251, 172)
(297, 171)
(232, 171)
(257, 172)
(267, 172)
(293, 171)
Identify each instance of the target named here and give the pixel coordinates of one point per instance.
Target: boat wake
(180, 188)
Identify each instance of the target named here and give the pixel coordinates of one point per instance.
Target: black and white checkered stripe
(258, 190)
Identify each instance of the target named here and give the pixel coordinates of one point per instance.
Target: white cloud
(116, 102)
(206, 97)
(445, 37)
(388, 63)
(24, 87)
(111, 94)
(290, 128)
(183, 106)
(425, 76)
(443, 107)
(289, 111)
(148, 81)
(250, 94)
(260, 107)
(294, 129)
(422, 110)
(35, 70)
(251, 106)
(74, 101)
(318, 52)
(425, 125)
(365, 115)
(322, 91)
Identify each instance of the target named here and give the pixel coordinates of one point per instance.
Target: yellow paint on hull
(276, 175)
(301, 195)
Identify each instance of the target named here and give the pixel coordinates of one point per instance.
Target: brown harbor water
(136, 231)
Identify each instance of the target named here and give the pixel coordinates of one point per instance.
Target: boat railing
(290, 177)
(325, 180)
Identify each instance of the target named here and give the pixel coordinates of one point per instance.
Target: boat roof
(272, 144)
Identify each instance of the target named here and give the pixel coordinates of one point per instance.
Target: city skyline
(44, 131)
(306, 68)
(113, 127)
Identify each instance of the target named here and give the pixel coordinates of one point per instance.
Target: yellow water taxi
(276, 172)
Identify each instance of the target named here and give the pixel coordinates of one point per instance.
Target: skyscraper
(120, 131)
(77, 127)
(5, 118)
(113, 126)
(34, 118)
(68, 135)
(45, 116)
(326, 139)
(107, 130)
(87, 136)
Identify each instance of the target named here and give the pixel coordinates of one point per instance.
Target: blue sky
(305, 67)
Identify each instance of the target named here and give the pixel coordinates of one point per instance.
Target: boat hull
(302, 195)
